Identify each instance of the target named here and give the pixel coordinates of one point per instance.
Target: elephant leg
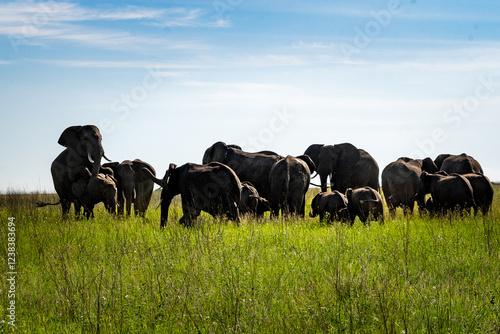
(65, 206)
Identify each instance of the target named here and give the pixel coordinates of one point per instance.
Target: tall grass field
(109, 274)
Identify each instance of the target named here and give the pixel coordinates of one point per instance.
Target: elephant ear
(70, 136)
(218, 152)
(429, 166)
(169, 172)
(347, 155)
(309, 162)
(139, 167)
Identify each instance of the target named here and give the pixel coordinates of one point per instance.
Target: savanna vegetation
(109, 274)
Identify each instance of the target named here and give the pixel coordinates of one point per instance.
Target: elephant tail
(42, 204)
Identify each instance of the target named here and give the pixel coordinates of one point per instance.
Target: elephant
(448, 192)
(364, 203)
(251, 203)
(133, 184)
(83, 149)
(213, 188)
(87, 190)
(400, 181)
(334, 205)
(313, 153)
(460, 164)
(90, 189)
(289, 179)
(482, 190)
(346, 165)
(251, 167)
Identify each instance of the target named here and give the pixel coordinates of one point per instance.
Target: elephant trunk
(160, 182)
(94, 158)
(165, 205)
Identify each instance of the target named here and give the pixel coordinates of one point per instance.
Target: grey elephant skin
(251, 167)
(213, 188)
(346, 165)
(482, 190)
(83, 149)
(449, 192)
(400, 182)
(251, 202)
(289, 179)
(364, 203)
(134, 185)
(459, 164)
(90, 189)
(332, 205)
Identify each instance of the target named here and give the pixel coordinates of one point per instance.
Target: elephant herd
(231, 182)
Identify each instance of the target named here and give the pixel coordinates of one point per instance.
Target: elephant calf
(333, 205)
(365, 202)
(90, 189)
(251, 203)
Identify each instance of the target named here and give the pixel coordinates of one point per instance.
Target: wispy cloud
(29, 23)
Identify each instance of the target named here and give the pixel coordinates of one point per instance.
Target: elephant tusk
(90, 158)
(105, 157)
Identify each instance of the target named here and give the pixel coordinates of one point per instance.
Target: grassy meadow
(125, 275)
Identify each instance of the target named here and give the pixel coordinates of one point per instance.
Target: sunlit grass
(112, 274)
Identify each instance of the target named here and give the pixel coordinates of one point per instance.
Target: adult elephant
(346, 165)
(251, 167)
(313, 153)
(213, 188)
(400, 182)
(83, 149)
(289, 179)
(133, 184)
(448, 192)
(482, 190)
(460, 164)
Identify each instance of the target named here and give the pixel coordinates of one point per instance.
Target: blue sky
(164, 80)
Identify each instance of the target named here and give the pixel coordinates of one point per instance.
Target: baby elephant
(364, 202)
(334, 204)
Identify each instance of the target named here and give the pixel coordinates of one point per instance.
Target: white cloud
(28, 23)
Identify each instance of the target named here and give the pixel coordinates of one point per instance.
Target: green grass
(125, 275)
